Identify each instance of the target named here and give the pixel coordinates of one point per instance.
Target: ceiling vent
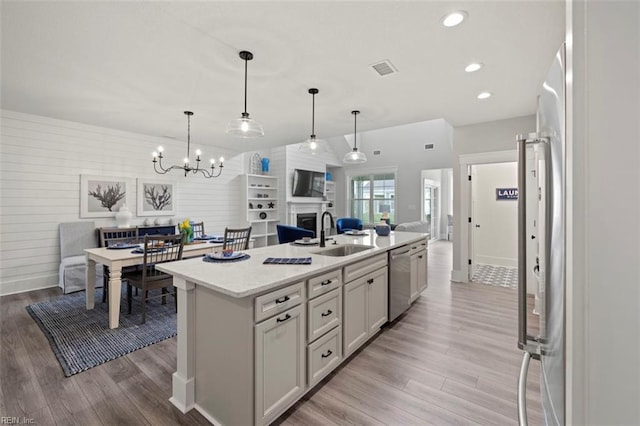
(428, 146)
(376, 152)
(384, 67)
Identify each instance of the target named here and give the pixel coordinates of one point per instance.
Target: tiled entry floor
(496, 275)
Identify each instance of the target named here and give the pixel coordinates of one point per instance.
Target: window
(372, 197)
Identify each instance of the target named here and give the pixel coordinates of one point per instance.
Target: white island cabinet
(253, 338)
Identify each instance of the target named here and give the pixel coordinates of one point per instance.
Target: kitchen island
(254, 337)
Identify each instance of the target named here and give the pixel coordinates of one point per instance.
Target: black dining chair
(157, 249)
(109, 237)
(198, 229)
(236, 239)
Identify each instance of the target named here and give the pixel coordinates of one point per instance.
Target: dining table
(116, 259)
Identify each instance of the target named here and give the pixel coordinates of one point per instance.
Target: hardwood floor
(451, 359)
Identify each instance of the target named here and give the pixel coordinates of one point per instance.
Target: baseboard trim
(459, 276)
(24, 285)
(497, 261)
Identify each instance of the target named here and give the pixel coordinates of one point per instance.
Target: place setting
(356, 232)
(306, 241)
(226, 256)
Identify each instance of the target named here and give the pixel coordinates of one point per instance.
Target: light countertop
(250, 277)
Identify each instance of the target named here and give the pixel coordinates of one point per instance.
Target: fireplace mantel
(294, 207)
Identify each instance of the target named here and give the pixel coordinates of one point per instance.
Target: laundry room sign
(506, 193)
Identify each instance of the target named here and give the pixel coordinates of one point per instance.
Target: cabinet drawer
(324, 313)
(324, 283)
(277, 301)
(324, 355)
(351, 272)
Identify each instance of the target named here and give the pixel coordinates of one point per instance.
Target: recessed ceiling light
(473, 67)
(454, 18)
(484, 95)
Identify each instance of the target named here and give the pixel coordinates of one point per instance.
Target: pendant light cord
(245, 84)
(313, 114)
(355, 137)
(188, 134)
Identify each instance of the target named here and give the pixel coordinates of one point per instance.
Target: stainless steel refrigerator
(548, 344)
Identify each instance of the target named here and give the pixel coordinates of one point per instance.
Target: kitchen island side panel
(224, 364)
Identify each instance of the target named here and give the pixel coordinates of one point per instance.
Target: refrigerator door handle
(522, 389)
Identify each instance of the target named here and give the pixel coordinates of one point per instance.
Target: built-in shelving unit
(261, 206)
(330, 193)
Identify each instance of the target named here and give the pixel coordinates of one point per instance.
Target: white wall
(42, 160)
(496, 241)
(603, 203)
(494, 136)
(402, 148)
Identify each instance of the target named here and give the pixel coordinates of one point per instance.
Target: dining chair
(288, 233)
(74, 238)
(157, 249)
(347, 224)
(109, 237)
(236, 239)
(198, 229)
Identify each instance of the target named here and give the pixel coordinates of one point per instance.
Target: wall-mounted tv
(307, 183)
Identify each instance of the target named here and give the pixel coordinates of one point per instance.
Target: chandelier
(157, 158)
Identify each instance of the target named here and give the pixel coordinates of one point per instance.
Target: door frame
(465, 162)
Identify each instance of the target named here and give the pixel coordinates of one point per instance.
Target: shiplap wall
(40, 167)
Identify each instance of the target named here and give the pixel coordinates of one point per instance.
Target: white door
(378, 290)
(280, 362)
(494, 214)
(355, 327)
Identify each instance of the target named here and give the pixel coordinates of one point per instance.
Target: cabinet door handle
(282, 299)
(286, 317)
(327, 354)
(325, 282)
(326, 314)
(414, 247)
(370, 281)
(419, 257)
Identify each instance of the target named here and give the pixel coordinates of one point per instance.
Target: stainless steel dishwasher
(399, 281)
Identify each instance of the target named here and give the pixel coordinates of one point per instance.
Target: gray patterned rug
(496, 275)
(82, 339)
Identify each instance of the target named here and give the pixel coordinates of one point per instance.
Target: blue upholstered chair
(348, 224)
(287, 234)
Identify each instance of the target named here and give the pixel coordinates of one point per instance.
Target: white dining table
(118, 259)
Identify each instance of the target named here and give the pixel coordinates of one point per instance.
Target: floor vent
(384, 67)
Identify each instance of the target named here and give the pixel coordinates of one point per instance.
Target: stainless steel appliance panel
(399, 281)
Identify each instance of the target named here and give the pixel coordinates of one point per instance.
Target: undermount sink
(343, 250)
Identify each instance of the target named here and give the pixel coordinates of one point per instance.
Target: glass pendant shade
(355, 156)
(313, 145)
(245, 127)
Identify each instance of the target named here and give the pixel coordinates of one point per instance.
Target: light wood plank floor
(451, 359)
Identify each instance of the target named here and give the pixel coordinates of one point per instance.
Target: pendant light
(355, 156)
(186, 168)
(312, 145)
(244, 126)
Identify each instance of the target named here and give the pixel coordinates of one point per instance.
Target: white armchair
(74, 238)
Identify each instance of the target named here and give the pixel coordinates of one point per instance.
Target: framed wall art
(102, 196)
(156, 198)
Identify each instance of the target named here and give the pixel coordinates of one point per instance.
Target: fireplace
(307, 221)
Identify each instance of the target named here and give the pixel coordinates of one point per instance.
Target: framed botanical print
(102, 196)
(156, 198)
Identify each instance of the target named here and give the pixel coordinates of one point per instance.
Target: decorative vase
(146, 222)
(383, 229)
(265, 165)
(123, 217)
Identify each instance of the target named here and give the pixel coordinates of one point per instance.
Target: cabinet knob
(370, 281)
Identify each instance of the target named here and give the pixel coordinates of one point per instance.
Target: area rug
(82, 339)
(496, 275)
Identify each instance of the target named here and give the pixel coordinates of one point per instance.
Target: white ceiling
(137, 66)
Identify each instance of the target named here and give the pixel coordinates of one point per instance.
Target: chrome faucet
(322, 226)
